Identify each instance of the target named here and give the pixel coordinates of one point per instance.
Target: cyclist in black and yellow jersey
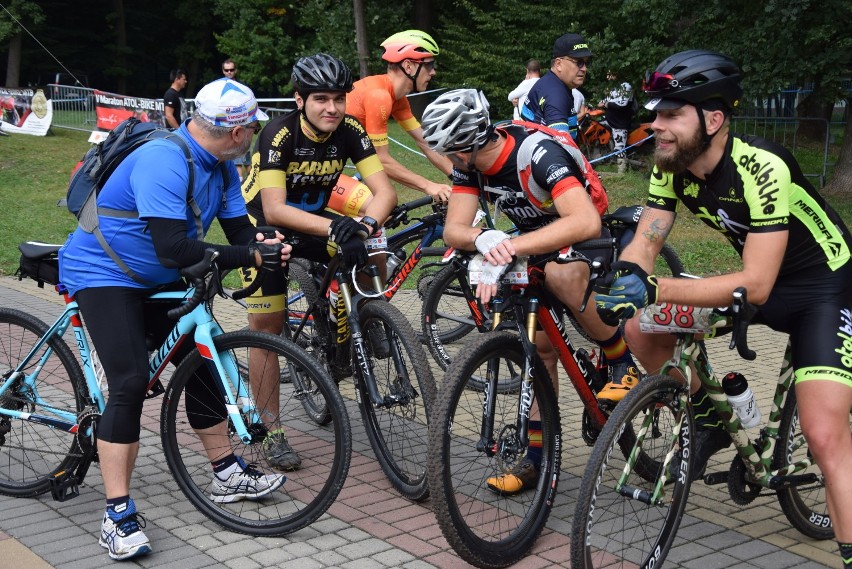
(295, 175)
(795, 253)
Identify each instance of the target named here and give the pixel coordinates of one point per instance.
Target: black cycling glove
(270, 255)
(345, 228)
(354, 252)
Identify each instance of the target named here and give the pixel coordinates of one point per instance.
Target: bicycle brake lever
(595, 272)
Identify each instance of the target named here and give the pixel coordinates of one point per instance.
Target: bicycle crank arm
(65, 485)
(778, 482)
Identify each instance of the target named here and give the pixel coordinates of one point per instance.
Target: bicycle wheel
(32, 453)
(324, 451)
(312, 339)
(805, 506)
(486, 528)
(397, 429)
(614, 523)
(446, 315)
(668, 263)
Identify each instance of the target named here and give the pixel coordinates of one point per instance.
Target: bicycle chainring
(589, 431)
(87, 428)
(742, 491)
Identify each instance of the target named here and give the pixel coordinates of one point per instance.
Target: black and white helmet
(321, 72)
(457, 121)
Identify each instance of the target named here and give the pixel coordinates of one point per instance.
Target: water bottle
(394, 260)
(741, 398)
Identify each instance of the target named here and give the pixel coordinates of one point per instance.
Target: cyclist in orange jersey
(411, 65)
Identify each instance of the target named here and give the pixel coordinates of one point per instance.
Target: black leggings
(118, 320)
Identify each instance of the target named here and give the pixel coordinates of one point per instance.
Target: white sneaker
(124, 539)
(246, 484)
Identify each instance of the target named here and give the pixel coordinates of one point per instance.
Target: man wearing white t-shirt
(518, 94)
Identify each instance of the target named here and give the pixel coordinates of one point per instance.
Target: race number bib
(377, 240)
(669, 318)
(516, 273)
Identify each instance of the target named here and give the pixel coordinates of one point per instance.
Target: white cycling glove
(490, 274)
(489, 239)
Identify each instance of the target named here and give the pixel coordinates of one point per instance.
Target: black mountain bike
(365, 337)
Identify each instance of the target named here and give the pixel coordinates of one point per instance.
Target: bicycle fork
(513, 439)
(403, 392)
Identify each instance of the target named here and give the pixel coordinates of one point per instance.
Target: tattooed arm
(651, 233)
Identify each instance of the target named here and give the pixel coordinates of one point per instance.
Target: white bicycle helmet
(457, 121)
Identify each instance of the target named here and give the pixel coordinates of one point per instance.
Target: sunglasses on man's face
(231, 70)
(429, 65)
(580, 63)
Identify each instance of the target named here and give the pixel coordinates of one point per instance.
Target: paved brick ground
(369, 525)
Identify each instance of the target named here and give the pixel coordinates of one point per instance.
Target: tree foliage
(485, 43)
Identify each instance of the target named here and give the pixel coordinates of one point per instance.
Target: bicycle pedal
(64, 486)
(716, 478)
(155, 390)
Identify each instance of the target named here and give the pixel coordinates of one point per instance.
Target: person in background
(517, 95)
(173, 104)
(229, 70)
(551, 101)
(410, 56)
(619, 114)
(163, 237)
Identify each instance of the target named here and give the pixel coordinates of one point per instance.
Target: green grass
(34, 174)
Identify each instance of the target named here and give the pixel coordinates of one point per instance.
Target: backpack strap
(190, 200)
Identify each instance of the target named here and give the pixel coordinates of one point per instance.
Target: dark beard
(688, 152)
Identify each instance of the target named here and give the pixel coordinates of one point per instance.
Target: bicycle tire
(398, 432)
(485, 528)
(615, 529)
(421, 276)
(313, 337)
(325, 452)
(32, 453)
(804, 506)
(446, 315)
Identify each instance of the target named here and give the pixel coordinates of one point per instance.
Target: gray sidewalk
(370, 525)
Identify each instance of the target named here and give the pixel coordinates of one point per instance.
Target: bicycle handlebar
(742, 312)
(197, 275)
(399, 215)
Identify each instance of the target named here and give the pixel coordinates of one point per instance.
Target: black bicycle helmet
(694, 77)
(321, 72)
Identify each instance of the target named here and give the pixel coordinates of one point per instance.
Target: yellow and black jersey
(758, 187)
(307, 167)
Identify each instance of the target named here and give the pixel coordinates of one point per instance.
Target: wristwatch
(370, 222)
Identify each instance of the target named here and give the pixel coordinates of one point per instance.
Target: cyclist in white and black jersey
(795, 251)
(539, 184)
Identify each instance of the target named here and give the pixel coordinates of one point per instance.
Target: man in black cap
(550, 101)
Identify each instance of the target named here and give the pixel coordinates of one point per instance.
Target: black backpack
(101, 161)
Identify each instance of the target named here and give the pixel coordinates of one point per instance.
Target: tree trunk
(13, 69)
(841, 182)
(814, 106)
(423, 18)
(361, 38)
(120, 42)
